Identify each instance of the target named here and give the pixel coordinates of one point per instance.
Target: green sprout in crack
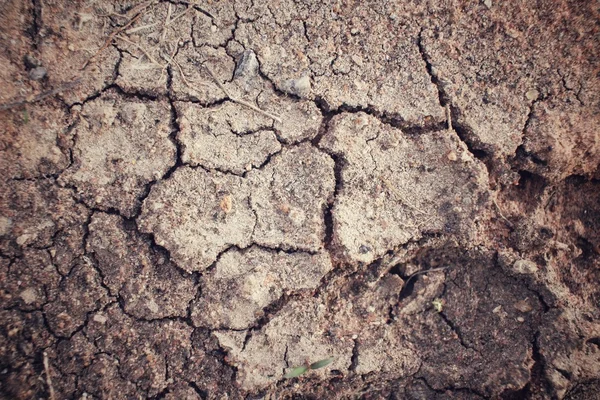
(438, 304)
(297, 371)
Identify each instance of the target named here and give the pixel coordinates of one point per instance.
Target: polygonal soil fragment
(385, 352)
(28, 282)
(357, 55)
(70, 36)
(229, 138)
(193, 82)
(149, 285)
(395, 187)
(36, 213)
(243, 283)
(197, 214)
(297, 335)
(150, 354)
(551, 153)
(289, 198)
(300, 119)
(215, 24)
(79, 293)
(149, 44)
(296, 119)
(28, 142)
(103, 379)
(121, 145)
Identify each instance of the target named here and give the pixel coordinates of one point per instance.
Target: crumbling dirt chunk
(29, 143)
(197, 214)
(227, 138)
(289, 199)
(149, 353)
(34, 213)
(22, 338)
(484, 330)
(566, 350)
(69, 35)
(149, 44)
(120, 146)
(356, 56)
(243, 283)
(149, 285)
(296, 335)
(29, 282)
(553, 156)
(79, 294)
(395, 187)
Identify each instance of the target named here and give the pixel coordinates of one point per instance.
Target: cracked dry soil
(159, 239)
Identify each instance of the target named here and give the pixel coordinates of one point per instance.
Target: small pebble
(520, 319)
(37, 73)
(532, 95)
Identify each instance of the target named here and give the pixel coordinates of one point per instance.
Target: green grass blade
(322, 363)
(296, 372)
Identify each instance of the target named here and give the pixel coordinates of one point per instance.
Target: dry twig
(48, 378)
(236, 100)
(41, 96)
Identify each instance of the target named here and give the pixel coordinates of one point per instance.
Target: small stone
(71, 47)
(299, 87)
(29, 296)
(5, 224)
(521, 319)
(37, 73)
(525, 267)
(532, 95)
(523, 306)
(100, 318)
(213, 28)
(226, 204)
(488, 3)
(31, 62)
(452, 156)
(21, 240)
(247, 65)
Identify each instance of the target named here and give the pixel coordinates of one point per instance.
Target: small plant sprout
(297, 371)
(438, 304)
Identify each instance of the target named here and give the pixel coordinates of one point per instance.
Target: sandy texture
(199, 198)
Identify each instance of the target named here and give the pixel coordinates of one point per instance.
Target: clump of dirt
(200, 197)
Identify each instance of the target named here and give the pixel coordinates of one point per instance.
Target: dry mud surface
(197, 197)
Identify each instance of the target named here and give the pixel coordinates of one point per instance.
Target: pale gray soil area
(199, 197)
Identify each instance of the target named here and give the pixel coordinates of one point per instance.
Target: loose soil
(198, 197)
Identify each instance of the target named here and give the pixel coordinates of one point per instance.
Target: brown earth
(198, 197)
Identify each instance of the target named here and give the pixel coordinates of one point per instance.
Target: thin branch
(510, 224)
(236, 100)
(141, 49)
(110, 38)
(41, 96)
(48, 378)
